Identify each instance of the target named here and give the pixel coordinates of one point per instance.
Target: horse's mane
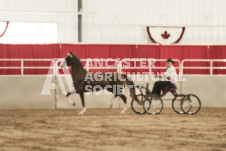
(78, 61)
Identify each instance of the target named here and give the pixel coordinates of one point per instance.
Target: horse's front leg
(69, 100)
(83, 103)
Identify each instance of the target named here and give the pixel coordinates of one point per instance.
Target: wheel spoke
(136, 106)
(155, 106)
(191, 105)
(176, 104)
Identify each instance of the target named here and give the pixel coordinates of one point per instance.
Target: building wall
(109, 21)
(61, 12)
(104, 27)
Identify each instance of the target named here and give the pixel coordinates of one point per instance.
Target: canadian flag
(165, 34)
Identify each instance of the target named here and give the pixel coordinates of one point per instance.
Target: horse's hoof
(71, 102)
(122, 112)
(80, 113)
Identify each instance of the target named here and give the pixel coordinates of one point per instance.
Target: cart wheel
(137, 107)
(194, 103)
(153, 105)
(176, 104)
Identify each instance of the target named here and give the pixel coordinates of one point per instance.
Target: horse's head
(71, 59)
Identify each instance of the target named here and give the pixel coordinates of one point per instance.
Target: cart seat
(171, 88)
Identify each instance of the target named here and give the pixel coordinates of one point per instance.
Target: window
(29, 33)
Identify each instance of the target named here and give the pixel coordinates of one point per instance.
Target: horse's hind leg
(111, 101)
(123, 97)
(83, 103)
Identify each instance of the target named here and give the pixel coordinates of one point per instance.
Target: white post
(54, 67)
(120, 66)
(149, 67)
(211, 67)
(181, 74)
(22, 67)
(87, 64)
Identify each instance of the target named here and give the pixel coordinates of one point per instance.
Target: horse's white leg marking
(111, 102)
(124, 109)
(83, 111)
(71, 101)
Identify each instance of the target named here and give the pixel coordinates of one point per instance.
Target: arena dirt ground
(106, 129)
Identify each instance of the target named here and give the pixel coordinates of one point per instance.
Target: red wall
(111, 51)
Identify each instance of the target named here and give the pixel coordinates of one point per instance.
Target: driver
(168, 78)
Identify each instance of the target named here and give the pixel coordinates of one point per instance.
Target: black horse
(84, 81)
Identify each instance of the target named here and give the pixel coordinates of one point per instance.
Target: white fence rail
(210, 67)
(118, 67)
(22, 66)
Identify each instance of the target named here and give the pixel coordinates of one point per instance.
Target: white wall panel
(125, 13)
(153, 12)
(25, 93)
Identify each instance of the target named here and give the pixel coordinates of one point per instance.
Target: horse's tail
(132, 88)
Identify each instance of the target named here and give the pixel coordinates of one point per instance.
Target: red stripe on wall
(111, 51)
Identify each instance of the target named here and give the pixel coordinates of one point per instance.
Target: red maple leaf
(165, 35)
